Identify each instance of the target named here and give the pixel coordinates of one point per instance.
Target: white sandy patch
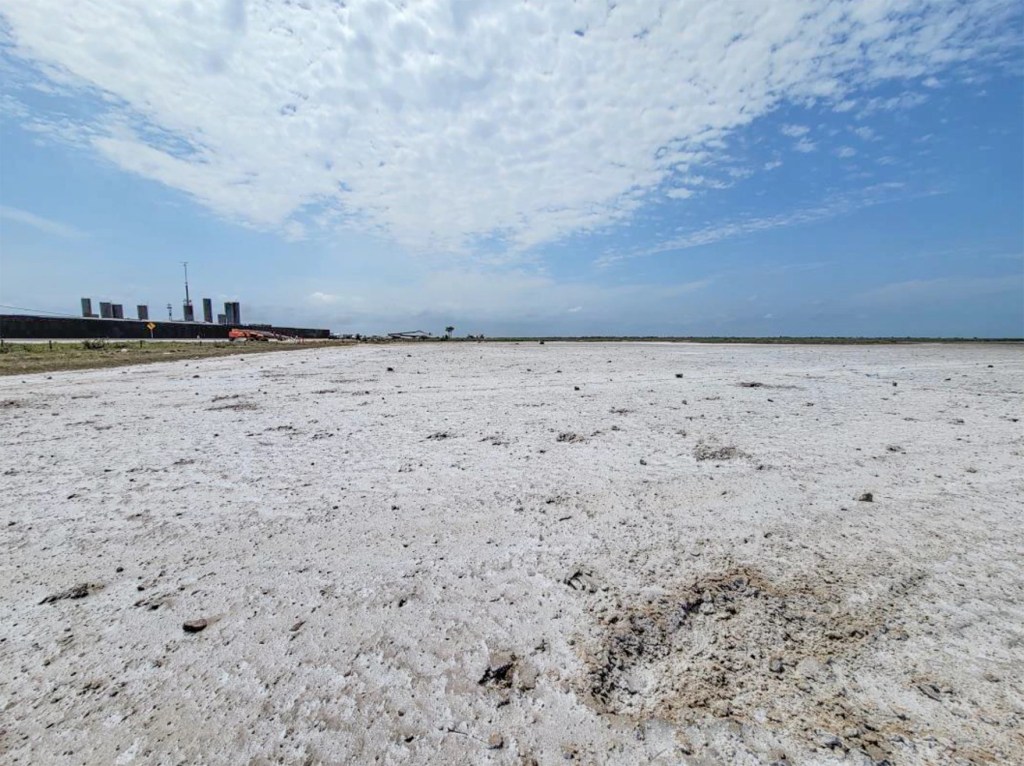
(467, 560)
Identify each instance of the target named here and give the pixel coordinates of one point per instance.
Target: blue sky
(732, 168)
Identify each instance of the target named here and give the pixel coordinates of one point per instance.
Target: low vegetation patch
(43, 356)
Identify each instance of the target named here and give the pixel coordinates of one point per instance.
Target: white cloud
(794, 131)
(45, 225)
(440, 123)
(772, 164)
(805, 146)
(907, 100)
(839, 205)
(927, 291)
(494, 295)
(845, 152)
(323, 298)
(679, 193)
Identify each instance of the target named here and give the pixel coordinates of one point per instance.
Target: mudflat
(516, 554)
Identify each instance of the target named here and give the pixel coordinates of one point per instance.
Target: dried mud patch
(703, 451)
(735, 645)
(237, 406)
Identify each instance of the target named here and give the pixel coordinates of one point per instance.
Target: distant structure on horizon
(186, 307)
(232, 309)
(232, 312)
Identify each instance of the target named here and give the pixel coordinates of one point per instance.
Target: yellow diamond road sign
(150, 326)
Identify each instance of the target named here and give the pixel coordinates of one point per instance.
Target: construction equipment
(257, 335)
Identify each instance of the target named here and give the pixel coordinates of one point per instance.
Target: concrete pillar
(143, 311)
(207, 310)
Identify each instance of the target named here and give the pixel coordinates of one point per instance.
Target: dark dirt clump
(710, 452)
(74, 592)
(735, 645)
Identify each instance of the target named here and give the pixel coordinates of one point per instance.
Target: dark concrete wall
(33, 327)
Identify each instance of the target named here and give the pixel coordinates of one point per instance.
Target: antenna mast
(187, 312)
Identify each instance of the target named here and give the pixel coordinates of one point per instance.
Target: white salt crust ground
(468, 560)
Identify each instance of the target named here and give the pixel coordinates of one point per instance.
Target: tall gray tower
(233, 312)
(186, 309)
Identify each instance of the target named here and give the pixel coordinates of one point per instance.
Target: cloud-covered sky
(679, 167)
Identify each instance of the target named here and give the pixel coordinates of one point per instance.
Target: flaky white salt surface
(497, 553)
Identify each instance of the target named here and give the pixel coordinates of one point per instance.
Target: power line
(39, 311)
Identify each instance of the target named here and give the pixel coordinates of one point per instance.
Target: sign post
(150, 326)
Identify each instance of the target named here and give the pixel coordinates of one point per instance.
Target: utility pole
(170, 313)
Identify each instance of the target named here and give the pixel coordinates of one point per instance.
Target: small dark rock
(194, 626)
(581, 580)
(571, 437)
(775, 666)
(867, 497)
(499, 670)
(495, 742)
(831, 741)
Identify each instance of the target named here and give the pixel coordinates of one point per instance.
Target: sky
(798, 167)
